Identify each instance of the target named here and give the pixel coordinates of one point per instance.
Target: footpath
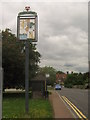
(59, 108)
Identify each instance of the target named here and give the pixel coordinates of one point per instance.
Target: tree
(51, 71)
(13, 60)
(86, 77)
(60, 72)
(75, 79)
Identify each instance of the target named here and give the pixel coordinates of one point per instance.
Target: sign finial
(27, 8)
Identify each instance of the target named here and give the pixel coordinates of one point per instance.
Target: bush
(68, 85)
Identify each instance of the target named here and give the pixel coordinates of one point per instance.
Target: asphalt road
(78, 97)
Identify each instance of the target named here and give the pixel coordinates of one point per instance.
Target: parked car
(57, 87)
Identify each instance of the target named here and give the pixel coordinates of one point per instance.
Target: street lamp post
(27, 32)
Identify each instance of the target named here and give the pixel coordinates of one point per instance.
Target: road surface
(78, 97)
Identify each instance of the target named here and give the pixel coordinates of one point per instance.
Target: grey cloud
(63, 41)
(69, 65)
(83, 69)
(65, 15)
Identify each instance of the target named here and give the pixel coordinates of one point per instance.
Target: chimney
(67, 72)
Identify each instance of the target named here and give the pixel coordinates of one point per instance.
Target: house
(60, 77)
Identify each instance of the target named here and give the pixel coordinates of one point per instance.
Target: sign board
(47, 75)
(27, 26)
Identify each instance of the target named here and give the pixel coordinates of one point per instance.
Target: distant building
(60, 77)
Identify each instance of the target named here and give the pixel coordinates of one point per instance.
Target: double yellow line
(75, 109)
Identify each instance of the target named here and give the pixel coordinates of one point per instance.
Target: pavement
(59, 107)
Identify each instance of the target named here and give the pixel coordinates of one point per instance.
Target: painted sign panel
(27, 26)
(27, 29)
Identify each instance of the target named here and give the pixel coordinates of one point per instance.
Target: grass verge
(14, 107)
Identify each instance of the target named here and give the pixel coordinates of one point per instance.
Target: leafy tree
(13, 60)
(75, 79)
(51, 71)
(60, 72)
(86, 77)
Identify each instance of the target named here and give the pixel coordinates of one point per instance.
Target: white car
(57, 87)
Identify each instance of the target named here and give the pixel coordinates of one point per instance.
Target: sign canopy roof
(27, 13)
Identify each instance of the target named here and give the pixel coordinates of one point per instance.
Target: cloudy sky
(63, 30)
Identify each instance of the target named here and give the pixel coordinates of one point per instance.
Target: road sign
(47, 75)
(27, 28)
